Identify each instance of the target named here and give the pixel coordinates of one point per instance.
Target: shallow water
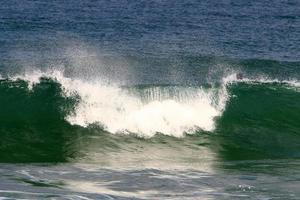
(264, 179)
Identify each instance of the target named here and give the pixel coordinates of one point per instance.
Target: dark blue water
(159, 49)
(236, 29)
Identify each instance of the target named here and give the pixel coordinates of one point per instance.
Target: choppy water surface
(238, 180)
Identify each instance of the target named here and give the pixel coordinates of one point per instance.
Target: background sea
(116, 99)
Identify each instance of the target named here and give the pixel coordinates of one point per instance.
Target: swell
(44, 116)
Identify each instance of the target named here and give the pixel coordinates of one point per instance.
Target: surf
(145, 110)
(45, 115)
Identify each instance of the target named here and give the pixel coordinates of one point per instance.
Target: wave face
(43, 114)
(262, 119)
(32, 124)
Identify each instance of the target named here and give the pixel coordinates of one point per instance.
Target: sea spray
(171, 110)
(146, 110)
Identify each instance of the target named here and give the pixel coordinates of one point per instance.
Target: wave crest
(148, 109)
(145, 111)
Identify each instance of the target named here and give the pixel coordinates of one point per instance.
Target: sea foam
(145, 111)
(151, 110)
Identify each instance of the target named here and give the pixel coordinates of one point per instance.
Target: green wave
(32, 125)
(261, 120)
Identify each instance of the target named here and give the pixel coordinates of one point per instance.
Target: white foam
(117, 110)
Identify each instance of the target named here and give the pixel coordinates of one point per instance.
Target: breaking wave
(44, 114)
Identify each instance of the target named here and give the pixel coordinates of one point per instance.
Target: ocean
(149, 99)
